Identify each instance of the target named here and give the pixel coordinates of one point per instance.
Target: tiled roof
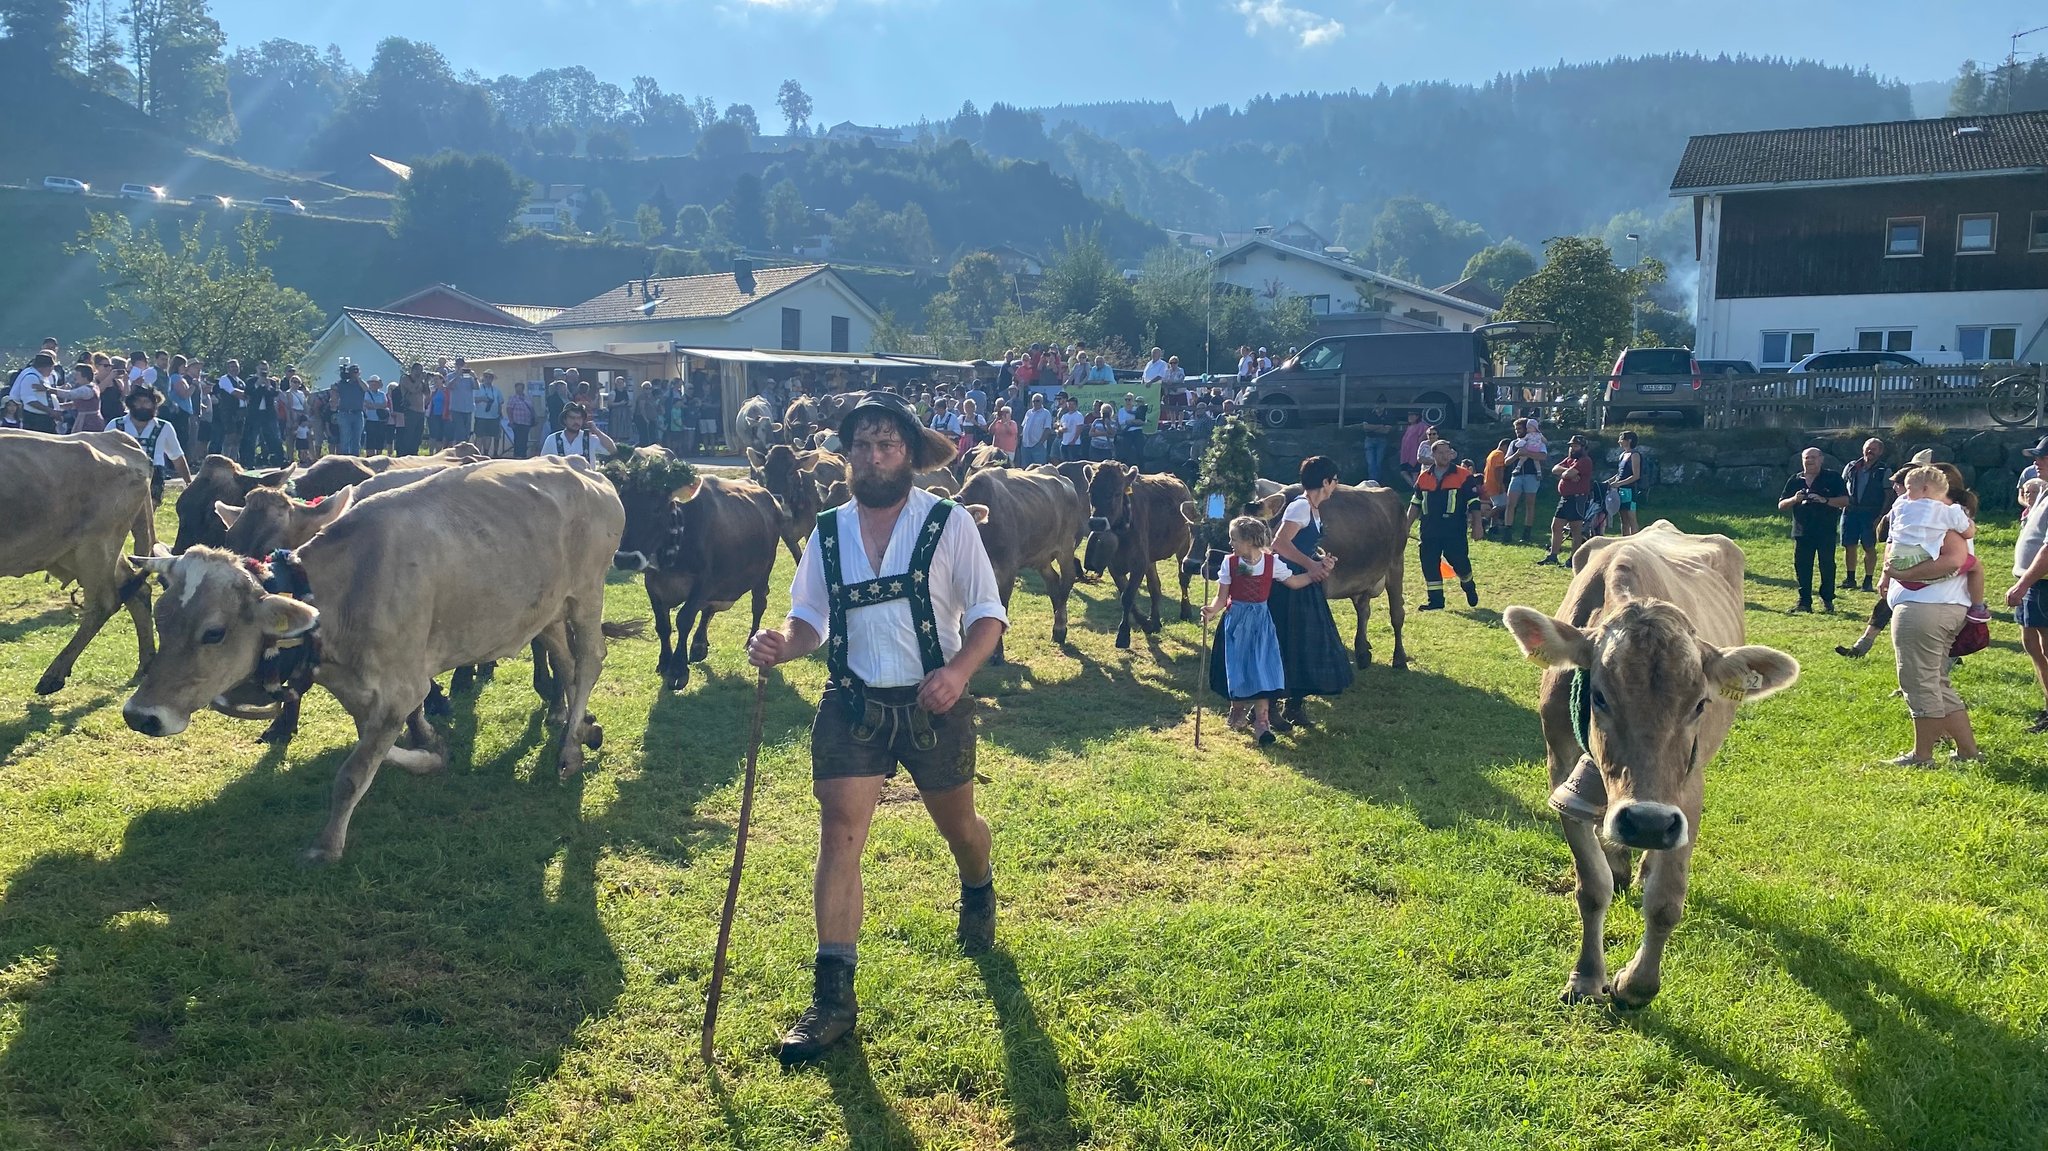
(410, 338)
(1866, 153)
(682, 297)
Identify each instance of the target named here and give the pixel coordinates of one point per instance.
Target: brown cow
(1646, 664)
(518, 549)
(1028, 520)
(332, 473)
(795, 489)
(981, 458)
(1137, 523)
(703, 542)
(1366, 528)
(72, 503)
(219, 480)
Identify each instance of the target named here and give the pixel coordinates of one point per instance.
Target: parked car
(1340, 377)
(142, 192)
(221, 202)
(1847, 371)
(1656, 382)
(1726, 368)
(281, 204)
(66, 185)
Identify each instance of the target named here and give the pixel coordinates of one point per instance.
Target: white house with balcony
(1340, 293)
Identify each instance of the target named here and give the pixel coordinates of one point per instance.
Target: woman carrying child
(1252, 670)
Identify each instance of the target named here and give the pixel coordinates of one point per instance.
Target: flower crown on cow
(653, 470)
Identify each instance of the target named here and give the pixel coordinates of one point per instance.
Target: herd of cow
(375, 575)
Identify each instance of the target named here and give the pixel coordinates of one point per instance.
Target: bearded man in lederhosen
(897, 588)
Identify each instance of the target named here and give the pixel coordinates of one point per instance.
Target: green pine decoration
(1230, 468)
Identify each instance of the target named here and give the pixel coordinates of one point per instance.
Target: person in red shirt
(1574, 497)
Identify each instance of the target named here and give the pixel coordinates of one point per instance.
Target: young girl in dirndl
(1252, 670)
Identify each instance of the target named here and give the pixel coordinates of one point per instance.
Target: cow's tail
(625, 629)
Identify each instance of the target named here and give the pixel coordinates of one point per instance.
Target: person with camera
(262, 444)
(348, 410)
(1815, 497)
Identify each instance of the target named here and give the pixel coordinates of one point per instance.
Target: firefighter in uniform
(1439, 503)
(897, 587)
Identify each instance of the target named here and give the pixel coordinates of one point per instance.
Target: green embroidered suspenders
(913, 585)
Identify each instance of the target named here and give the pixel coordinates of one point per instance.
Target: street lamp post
(1635, 297)
(1208, 294)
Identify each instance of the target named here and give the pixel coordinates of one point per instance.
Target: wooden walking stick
(1203, 684)
(739, 859)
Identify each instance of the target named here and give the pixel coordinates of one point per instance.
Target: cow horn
(154, 565)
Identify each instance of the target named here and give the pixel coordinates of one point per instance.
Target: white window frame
(1987, 329)
(2037, 235)
(1884, 339)
(1319, 305)
(1918, 251)
(1989, 250)
(1764, 361)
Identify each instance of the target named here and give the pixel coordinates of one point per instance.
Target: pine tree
(1230, 468)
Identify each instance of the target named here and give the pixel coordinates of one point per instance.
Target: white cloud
(1307, 28)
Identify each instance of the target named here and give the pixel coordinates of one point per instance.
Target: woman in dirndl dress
(1311, 649)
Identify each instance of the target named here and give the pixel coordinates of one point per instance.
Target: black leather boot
(977, 933)
(1471, 592)
(828, 1019)
(1436, 601)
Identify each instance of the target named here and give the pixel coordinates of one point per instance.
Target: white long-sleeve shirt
(881, 640)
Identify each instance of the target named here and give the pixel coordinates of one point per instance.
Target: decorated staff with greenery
(899, 590)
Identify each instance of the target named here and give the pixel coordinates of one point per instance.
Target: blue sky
(894, 60)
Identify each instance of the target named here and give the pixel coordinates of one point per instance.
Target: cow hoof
(997, 658)
(1123, 640)
(1187, 614)
(700, 654)
(1633, 992)
(437, 703)
(1400, 663)
(318, 857)
(593, 736)
(50, 684)
(571, 761)
(487, 673)
(1059, 637)
(464, 680)
(1578, 990)
(1151, 625)
(277, 735)
(678, 681)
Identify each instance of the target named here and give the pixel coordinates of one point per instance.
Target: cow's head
(787, 476)
(654, 486)
(1110, 494)
(214, 624)
(270, 519)
(218, 480)
(1644, 684)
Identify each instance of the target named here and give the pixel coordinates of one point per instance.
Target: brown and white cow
(485, 559)
(1137, 523)
(1028, 520)
(72, 502)
(702, 542)
(1649, 647)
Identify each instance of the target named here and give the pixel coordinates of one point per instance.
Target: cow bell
(1098, 523)
(1101, 545)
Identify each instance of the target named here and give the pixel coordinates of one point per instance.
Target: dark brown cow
(1137, 523)
(795, 489)
(702, 542)
(219, 480)
(1028, 520)
(1648, 645)
(981, 458)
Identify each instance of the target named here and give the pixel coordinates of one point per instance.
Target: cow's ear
(323, 512)
(1550, 642)
(227, 512)
(805, 461)
(978, 511)
(278, 478)
(1751, 672)
(756, 460)
(1273, 505)
(282, 617)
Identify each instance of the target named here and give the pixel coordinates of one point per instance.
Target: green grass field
(1353, 941)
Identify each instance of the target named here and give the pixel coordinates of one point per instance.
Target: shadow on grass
(55, 617)
(1924, 1071)
(38, 717)
(1372, 745)
(1032, 717)
(870, 1121)
(197, 987)
(1036, 1084)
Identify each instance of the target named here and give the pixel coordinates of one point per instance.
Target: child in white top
(1920, 524)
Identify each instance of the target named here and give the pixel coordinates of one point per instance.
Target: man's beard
(879, 488)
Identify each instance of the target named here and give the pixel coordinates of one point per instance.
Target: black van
(1337, 378)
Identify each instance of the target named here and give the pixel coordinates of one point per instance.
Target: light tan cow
(72, 502)
(1646, 664)
(462, 567)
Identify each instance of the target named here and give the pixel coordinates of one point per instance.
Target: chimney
(743, 275)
